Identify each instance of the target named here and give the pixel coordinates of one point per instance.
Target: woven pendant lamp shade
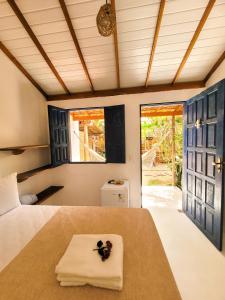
(106, 20)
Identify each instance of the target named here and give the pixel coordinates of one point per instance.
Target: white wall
(83, 181)
(23, 121)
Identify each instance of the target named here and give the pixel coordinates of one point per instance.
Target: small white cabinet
(113, 195)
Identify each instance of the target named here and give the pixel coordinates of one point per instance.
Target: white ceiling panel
(25, 51)
(11, 34)
(76, 85)
(53, 38)
(44, 16)
(67, 61)
(83, 22)
(195, 74)
(125, 4)
(177, 6)
(33, 6)
(203, 50)
(134, 66)
(70, 2)
(102, 63)
(76, 74)
(138, 44)
(105, 82)
(215, 22)
(86, 33)
(188, 16)
(130, 26)
(134, 59)
(137, 34)
(97, 50)
(41, 65)
(19, 43)
(162, 74)
(31, 59)
(100, 57)
(135, 52)
(9, 22)
(134, 79)
(136, 21)
(48, 28)
(139, 12)
(44, 76)
(5, 10)
(97, 41)
(178, 28)
(51, 86)
(59, 47)
(62, 55)
(72, 67)
(156, 81)
(85, 9)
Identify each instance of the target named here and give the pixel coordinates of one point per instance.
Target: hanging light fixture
(106, 20)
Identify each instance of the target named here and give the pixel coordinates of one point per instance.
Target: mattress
(31, 273)
(19, 226)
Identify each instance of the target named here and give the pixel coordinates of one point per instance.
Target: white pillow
(28, 199)
(9, 197)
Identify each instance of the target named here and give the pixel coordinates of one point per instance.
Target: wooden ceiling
(157, 45)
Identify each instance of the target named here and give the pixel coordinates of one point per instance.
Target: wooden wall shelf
(25, 175)
(20, 149)
(48, 192)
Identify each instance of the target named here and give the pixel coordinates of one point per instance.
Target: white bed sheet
(19, 226)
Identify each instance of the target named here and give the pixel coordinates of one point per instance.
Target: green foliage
(160, 130)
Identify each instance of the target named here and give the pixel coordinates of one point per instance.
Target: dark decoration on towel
(104, 251)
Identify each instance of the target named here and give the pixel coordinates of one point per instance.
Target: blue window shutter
(58, 128)
(115, 134)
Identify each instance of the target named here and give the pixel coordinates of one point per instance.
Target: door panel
(203, 184)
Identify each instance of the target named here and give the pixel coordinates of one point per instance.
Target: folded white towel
(81, 265)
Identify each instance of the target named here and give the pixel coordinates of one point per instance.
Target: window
(87, 135)
(95, 135)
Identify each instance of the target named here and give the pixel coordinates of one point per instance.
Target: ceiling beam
(75, 40)
(21, 68)
(131, 90)
(215, 67)
(85, 118)
(161, 114)
(155, 39)
(28, 29)
(116, 50)
(194, 38)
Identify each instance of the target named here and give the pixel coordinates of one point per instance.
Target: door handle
(198, 123)
(219, 164)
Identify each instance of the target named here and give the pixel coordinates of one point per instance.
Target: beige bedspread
(147, 275)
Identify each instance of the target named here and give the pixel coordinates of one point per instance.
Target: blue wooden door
(58, 129)
(203, 176)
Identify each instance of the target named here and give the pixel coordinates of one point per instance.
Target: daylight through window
(87, 135)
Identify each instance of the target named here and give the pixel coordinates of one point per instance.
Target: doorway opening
(161, 149)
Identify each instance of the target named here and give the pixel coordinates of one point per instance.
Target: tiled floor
(198, 267)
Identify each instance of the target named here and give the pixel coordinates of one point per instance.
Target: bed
(33, 239)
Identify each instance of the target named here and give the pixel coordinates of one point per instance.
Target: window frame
(84, 162)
